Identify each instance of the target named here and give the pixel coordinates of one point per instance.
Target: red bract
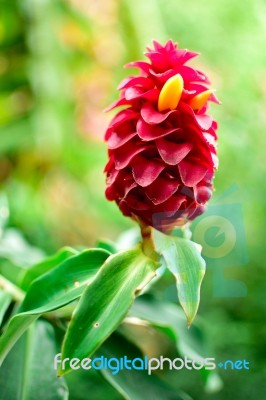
(162, 145)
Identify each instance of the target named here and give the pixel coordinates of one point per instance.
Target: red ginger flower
(162, 146)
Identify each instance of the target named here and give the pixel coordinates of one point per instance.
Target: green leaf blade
(44, 266)
(64, 283)
(135, 384)
(27, 373)
(189, 342)
(97, 316)
(184, 260)
(51, 291)
(5, 300)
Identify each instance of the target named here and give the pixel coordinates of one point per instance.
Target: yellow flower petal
(199, 101)
(171, 93)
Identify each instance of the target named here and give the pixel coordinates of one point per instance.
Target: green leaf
(106, 301)
(44, 266)
(107, 245)
(184, 260)
(135, 384)
(64, 283)
(82, 382)
(5, 300)
(169, 318)
(10, 271)
(27, 373)
(51, 291)
(192, 343)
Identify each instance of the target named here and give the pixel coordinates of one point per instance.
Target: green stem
(148, 245)
(9, 287)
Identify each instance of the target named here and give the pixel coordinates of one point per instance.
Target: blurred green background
(60, 64)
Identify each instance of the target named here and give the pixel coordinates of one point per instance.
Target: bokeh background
(60, 64)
